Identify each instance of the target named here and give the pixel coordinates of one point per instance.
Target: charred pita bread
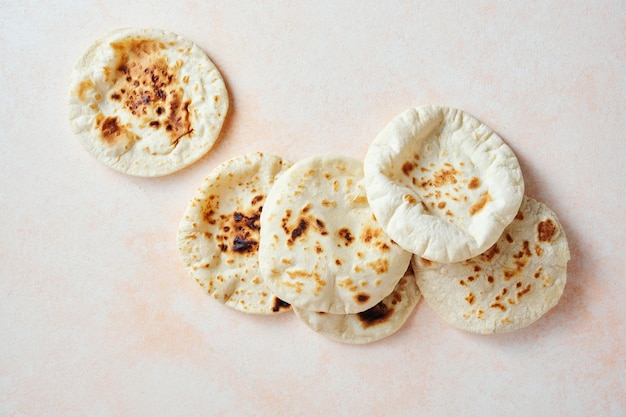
(146, 102)
(321, 247)
(509, 286)
(378, 322)
(218, 237)
(442, 185)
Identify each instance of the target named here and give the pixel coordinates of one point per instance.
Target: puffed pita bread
(378, 322)
(218, 237)
(508, 287)
(321, 248)
(146, 102)
(442, 185)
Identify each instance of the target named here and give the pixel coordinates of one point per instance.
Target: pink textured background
(97, 316)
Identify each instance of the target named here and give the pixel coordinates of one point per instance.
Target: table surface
(97, 315)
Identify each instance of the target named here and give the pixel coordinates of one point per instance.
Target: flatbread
(146, 102)
(508, 287)
(218, 237)
(378, 322)
(442, 185)
(321, 248)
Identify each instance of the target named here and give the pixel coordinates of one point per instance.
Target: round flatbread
(508, 287)
(321, 247)
(218, 237)
(146, 102)
(442, 184)
(378, 322)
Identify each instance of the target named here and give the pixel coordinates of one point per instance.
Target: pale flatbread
(321, 248)
(146, 102)
(218, 237)
(508, 287)
(442, 185)
(378, 322)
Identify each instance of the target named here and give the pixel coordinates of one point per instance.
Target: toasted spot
(470, 298)
(380, 266)
(480, 204)
(538, 250)
(546, 231)
(346, 236)
(509, 238)
(360, 199)
(280, 305)
(362, 297)
(407, 167)
(490, 253)
(445, 176)
(83, 87)
(378, 314)
(410, 199)
(441, 205)
(473, 183)
(425, 262)
(328, 203)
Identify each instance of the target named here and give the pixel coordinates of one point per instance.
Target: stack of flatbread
(437, 210)
(448, 189)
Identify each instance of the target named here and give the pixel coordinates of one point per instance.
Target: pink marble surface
(97, 315)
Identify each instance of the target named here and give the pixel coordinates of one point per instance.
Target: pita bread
(321, 248)
(442, 185)
(146, 102)
(508, 287)
(376, 323)
(218, 237)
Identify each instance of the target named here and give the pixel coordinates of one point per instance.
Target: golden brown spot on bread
(474, 183)
(425, 207)
(441, 205)
(380, 266)
(519, 215)
(538, 273)
(328, 203)
(83, 87)
(500, 306)
(256, 199)
(481, 203)
(346, 236)
(546, 231)
(445, 176)
(523, 292)
(490, 253)
(407, 167)
(360, 199)
(509, 238)
(470, 298)
(145, 83)
(378, 314)
(490, 279)
(110, 129)
(538, 250)
(370, 233)
(409, 199)
(362, 297)
(425, 262)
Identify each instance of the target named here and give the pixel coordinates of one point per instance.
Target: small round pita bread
(146, 102)
(378, 322)
(442, 184)
(321, 248)
(509, 286)
(218, 237)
